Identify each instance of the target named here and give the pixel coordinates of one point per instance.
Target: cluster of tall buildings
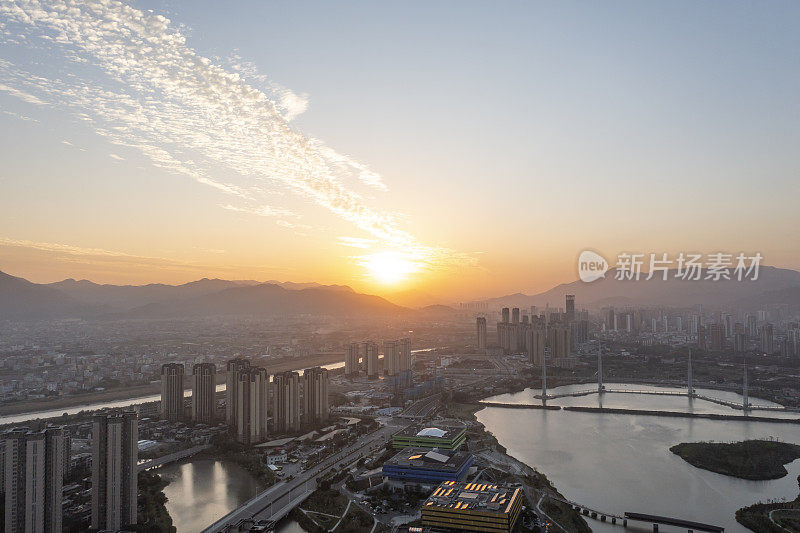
(252, 399)
(35, 463)
(540, 336)
(364, 357)
(203, 401)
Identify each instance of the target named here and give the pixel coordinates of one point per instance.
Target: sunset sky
(460, 149)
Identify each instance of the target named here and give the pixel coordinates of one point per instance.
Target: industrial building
(419, 467)
(419, 436)
(472, 507)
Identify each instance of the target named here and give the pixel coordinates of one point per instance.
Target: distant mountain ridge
(22, 299)
(773, 286)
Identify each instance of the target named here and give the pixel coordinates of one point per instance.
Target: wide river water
(620, 462)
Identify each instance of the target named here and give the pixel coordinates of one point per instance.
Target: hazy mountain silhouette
(774, 285)
(127, 297)
(271, 299)
(22, 299)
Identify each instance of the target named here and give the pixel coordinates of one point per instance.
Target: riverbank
(144, 392)
(536, 484)
(771, 517)
(151, 500)
(752, 459)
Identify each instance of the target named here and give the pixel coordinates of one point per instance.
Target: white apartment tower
(114, 473)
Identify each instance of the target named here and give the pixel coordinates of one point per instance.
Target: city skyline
(465, 175)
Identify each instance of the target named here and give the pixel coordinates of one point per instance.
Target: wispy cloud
(185, 113)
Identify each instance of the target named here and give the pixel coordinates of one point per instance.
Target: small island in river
(750, 459)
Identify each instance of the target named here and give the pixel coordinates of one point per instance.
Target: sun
(389, 267)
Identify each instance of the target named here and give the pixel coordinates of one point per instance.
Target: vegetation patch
(750, 459)
(152, 516)
(773, 517)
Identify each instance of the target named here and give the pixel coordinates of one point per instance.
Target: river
(53, 413)
(617, 463)
(202, 491)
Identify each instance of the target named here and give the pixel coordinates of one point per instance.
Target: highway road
(280, 498)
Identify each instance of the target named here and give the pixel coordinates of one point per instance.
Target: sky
(452, 149)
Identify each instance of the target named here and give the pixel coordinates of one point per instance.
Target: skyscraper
(766, 339)
(315, 396)
(717, 334)
(559, 341)
(515, 315)
(391, 356)
(251, 405)
(481, 322)
(286, 412)
(172, 391)
(233, 369)
(535, 345)
(406, 358)
(371, 359)
(34, 466)
(351, 366)
(204, 393)
(505, 319)
(570, 303)
(114, 474)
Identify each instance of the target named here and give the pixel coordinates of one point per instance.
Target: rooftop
(446, 432)
(473, 496)
(437, 459)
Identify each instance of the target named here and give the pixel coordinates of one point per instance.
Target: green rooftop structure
(444, 437)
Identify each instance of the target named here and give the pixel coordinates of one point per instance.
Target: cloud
(22, 95)
(115, 156)
(100, 259)
(131, 76)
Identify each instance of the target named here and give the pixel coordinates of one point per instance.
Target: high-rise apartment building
(766, 341)
(233, 369)
(481, 323)
(559, 340)
(717, 335)
(286, 411)
(252, 400)
(406, 358)
(315, 396)
(505, 318)
(570, 303)
(515, 315)
(115, 441)
(204, 393)
(351, 366)
(371, 359)
(535, 343)
(172, 391)
(34, 468)
(391, 358)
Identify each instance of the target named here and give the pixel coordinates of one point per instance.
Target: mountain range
(22, 299)
(773, 286)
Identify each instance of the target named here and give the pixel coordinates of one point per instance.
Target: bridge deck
(669, 521)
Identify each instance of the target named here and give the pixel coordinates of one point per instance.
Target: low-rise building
(422, 468)
(441, 437)
(472, 507)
